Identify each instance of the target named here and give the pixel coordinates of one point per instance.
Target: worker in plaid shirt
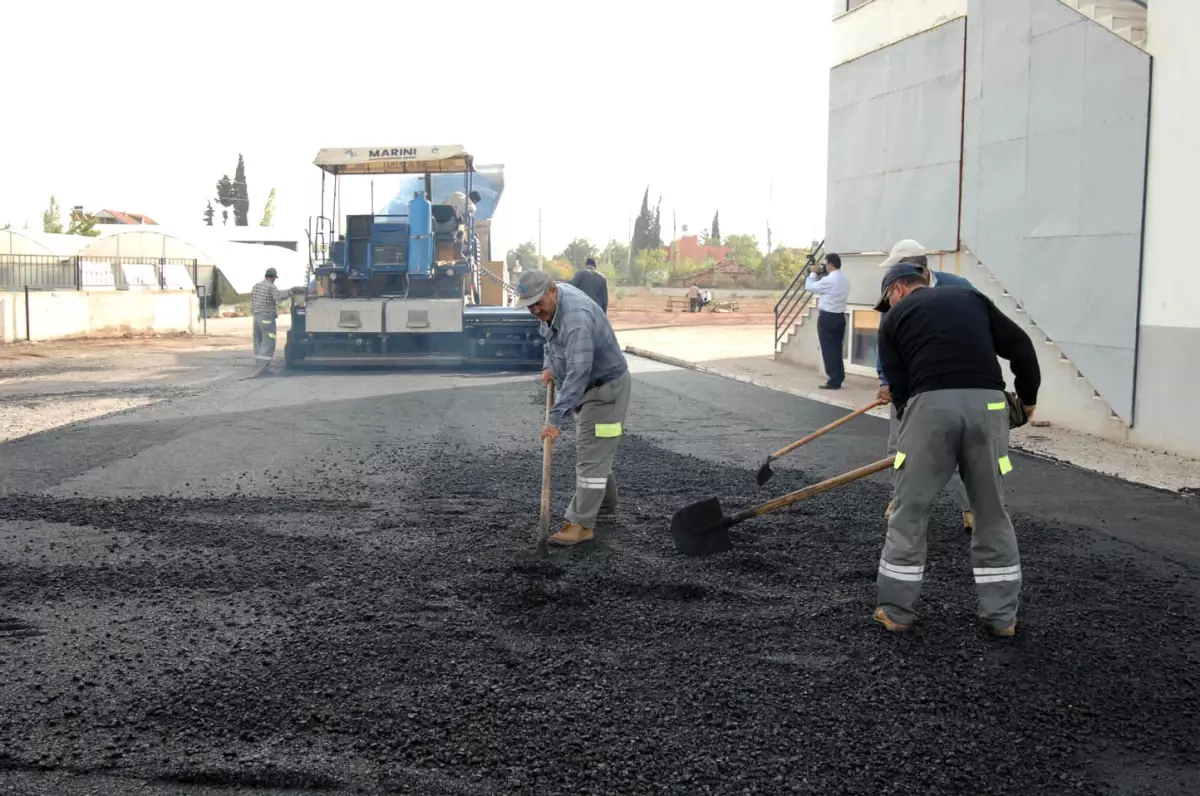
(264, 303)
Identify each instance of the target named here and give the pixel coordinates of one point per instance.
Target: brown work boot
(968, 522)
(571, 534)
(882, 618)
(1007, 631)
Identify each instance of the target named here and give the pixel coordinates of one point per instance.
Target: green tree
(559, 270)
(52, 217)
(7, 226)
(577, 252)
(685, 267)
(525, 256)
(641, 226)
(616, 254)
(241, 196)
(786, 263)
(714, 237)
(208, 214)
(225, 196)
(650, 267)
(654, 237)
(82, 224)
(744, 251)
(268, 210)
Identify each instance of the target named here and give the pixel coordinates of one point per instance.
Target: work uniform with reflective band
(939, 349)
(264, 302)
(955, 485)
(586, 361)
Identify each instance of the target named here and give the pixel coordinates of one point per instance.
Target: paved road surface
(323, 582)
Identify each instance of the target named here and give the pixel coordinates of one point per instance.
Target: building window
(863, 341)
(853, 4)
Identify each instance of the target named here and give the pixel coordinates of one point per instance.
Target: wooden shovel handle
(801, 494)
(544, 512)
(826, 429)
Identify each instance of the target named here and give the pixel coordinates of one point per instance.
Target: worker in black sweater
(593, 284)
(939, 349)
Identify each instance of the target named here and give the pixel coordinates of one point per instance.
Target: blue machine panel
(420, 236)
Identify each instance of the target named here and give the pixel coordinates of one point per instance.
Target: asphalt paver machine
(407, 287)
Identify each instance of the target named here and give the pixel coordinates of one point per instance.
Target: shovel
(544, 515)
(702, 529)
(765, 472)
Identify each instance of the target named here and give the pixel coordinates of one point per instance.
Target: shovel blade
(700, 529)
(764, 473)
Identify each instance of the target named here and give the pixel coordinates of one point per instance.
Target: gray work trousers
(264, 337)
(941, 430)
(599, 426)
(956, 483)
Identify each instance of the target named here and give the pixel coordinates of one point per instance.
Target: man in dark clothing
(593, 284)
(911, 252)
(939, 349)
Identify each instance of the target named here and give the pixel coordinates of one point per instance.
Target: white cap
(905, 248)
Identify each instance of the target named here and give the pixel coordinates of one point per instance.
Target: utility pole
(541, 259)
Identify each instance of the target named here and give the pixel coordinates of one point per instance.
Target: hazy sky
(136, 107)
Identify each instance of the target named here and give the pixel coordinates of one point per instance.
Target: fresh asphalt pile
(410, 640)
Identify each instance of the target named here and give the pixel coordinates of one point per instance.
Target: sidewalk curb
(681, 363)
(826, 399)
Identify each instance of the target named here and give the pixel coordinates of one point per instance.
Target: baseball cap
(889, 279)
(905, 248)
(272, 272)
(530, 287)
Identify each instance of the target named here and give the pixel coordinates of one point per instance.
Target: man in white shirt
(832, 289)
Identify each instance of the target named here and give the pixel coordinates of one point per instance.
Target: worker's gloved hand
(884, 394)
(550, 432)
(1018, 413)
(546, 377)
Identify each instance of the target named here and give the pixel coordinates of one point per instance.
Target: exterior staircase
(1067, 399)
(1125, 18)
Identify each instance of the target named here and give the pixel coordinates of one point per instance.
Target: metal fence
(50, 272)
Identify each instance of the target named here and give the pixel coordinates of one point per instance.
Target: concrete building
(1044, 149)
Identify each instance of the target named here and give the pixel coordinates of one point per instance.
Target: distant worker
(939, 350)
(910, 252)
(694, 299)
(832, 289)
(459, 201)
(593, 284)
(264, 306)
(584, 359)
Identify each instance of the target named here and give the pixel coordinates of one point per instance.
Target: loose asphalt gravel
(293, 592)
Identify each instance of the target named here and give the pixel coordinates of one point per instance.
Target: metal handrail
(795, 298)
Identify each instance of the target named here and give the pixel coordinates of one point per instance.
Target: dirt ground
(327, 584)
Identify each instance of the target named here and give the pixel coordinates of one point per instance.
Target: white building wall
(880, 23)
(1168, 376)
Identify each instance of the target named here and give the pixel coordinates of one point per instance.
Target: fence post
(28, 336)
(78, 273)
(162, 273)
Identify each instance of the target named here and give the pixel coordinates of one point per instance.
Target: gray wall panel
(1047, 17)
(1053, 184)
(1161, 419)
(1057, 58)
(895, 131)
(1005, 94)
(1055, 212)
(1010, 29)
